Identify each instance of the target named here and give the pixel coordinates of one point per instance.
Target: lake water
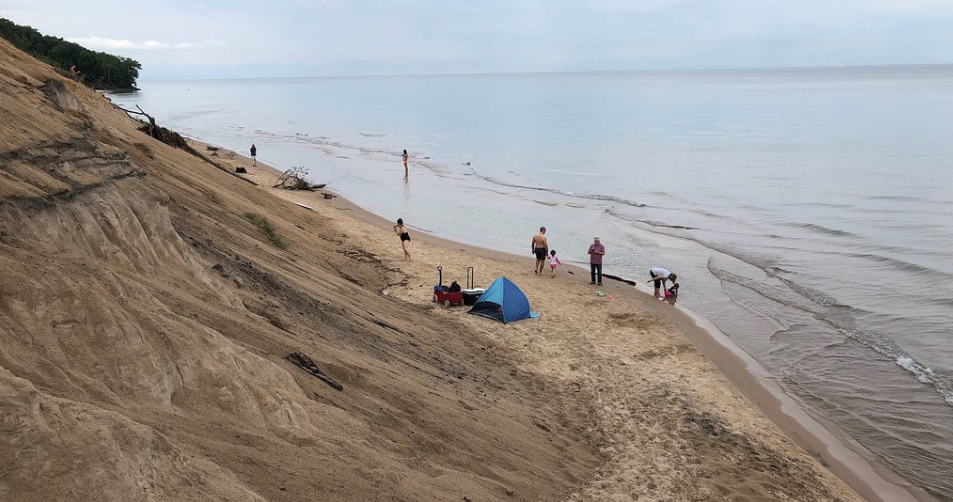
(808, 212)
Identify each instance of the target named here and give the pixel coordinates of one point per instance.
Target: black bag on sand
(454, 287)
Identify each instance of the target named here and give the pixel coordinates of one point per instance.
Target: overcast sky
(232, 38)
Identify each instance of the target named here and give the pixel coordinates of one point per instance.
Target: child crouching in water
(553, 262)
(671, 294)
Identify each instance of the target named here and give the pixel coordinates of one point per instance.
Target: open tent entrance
(502, 301)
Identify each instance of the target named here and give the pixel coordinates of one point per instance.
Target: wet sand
(156, 312)
(629, 345)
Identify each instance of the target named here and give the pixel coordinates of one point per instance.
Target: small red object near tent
(443, 295)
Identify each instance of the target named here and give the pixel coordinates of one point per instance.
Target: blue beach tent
(502, 301)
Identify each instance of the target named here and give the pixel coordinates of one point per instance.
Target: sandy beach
(155, 310)
(639, 362)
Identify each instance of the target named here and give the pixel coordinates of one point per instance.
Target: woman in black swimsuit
(401, 231)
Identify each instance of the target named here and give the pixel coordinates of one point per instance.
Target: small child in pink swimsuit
(553, 262)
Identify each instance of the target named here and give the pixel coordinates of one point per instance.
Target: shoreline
(834, 450)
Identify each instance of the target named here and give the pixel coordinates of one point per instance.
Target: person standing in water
(540, 248)
(401, 232)
(406, 157)
(660, 276)
(254, 153)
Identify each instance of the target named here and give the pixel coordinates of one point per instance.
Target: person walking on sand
(553, 262)
(401, 232)
(406, 157)
(540, 248)
(596, 252)
(660, 276)
(254, 153)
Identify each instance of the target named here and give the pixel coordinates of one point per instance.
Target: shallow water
(808, 213)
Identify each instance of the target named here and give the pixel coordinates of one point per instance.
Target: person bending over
(660, 277)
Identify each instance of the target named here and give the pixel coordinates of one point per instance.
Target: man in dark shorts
(254, 153)
(660, 276)
(540, 249)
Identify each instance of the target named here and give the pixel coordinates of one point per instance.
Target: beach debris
(174, 139)
(309, 208)
(211, 148)
(294, 179)
(160, 133)
(361, 256)
(600, 294)
(328, 196)
(241, 170)
(620, 279)
(541, 425)
(307, 364)
(218, 267)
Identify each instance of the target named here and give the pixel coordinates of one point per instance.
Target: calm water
(809, 213)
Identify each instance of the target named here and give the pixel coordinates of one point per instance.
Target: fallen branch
(175, 140)
(294, 179)
(620, 279)
(304, 362)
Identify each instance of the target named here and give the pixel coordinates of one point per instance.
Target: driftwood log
(620, 279)
(304, 362)
(294, 179)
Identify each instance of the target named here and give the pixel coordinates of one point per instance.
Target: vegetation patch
(95, 69)
(268, 229)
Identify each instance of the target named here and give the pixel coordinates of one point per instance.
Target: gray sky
(219, 38)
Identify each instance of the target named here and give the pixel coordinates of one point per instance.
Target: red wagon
(443, 295)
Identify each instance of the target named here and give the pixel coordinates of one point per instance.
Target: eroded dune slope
(145, 324)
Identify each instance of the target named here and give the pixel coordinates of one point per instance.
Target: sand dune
(145, 324)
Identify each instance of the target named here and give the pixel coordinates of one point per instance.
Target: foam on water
(927, 376)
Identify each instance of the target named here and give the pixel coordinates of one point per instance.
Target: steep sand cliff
(145, 324)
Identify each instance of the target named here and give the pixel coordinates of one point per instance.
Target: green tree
(96, 69)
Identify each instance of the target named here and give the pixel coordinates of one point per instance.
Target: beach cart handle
(439, 276)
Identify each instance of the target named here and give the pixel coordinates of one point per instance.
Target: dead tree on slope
(294, 179)
(173, 139)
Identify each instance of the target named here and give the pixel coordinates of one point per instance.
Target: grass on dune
(268, 229)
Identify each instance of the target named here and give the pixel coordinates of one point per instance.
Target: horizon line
(555, 72)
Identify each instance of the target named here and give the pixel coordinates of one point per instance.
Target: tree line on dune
(95, 69)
